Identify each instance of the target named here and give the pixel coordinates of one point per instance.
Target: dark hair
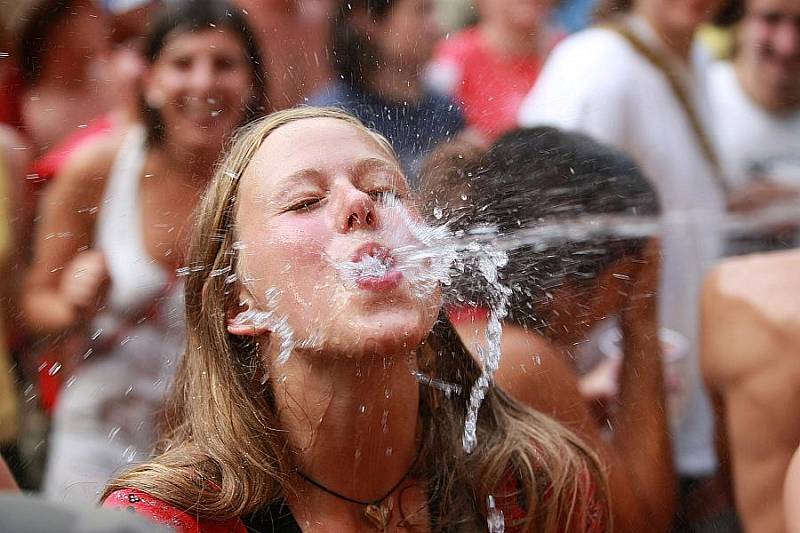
(540, 176)
(355, 56)
(731, 13)
(194, 15)
(33, 36)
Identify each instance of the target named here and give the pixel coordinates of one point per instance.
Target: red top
(47, 166)
(183, 521)
(488, 86)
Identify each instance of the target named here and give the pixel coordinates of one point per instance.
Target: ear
(246, 320)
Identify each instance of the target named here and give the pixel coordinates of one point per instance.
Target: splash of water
(489, 262)
(494, 517)
(270, 319)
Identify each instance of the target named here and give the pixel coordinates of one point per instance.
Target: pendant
(380, 514)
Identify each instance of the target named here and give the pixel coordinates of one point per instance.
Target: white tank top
(144, 306)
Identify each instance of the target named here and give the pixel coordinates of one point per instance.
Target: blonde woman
(294, 407)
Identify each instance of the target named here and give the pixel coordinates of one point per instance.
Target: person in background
(637, 82)
(751, 338)
(119, 213)
(379, 50)
(128, 21)
(561, 290)
(61, 50)
(755, 101)
(490, 67)
(297, 34)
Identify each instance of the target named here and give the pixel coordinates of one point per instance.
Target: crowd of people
(221, 240)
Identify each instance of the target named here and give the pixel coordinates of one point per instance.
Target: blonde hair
(224, 457)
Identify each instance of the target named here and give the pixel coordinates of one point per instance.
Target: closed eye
(306, 204)
(386, 197)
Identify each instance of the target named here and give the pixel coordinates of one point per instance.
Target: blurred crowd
(674, 357)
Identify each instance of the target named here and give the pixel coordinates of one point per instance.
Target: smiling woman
(120, 209)
(296, 407)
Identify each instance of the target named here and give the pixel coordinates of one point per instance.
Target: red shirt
(183, 522)
(488, 86)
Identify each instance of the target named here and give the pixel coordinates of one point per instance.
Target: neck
(396, 83)
(508, 40)
(676, 40)
(195, 166)
(765, 97)
(352, 424)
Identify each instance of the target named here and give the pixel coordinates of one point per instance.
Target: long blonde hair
(223, 454)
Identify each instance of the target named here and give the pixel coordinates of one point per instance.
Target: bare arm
(641, 437)
(638, 458)
(791, 495)
(65, 283)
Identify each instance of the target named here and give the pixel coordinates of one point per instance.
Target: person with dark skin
(561, 292)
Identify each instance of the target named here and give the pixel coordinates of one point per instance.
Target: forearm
(641, 437)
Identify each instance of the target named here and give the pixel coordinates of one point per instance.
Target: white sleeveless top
(144, 307)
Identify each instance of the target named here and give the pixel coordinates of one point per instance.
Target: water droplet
(114, 432)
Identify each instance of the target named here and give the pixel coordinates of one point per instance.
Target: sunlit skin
(313, 208)
(750, 342)
(768, 53)
(199, 83)
(313, 194)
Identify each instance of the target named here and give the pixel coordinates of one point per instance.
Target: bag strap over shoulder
(681, 94)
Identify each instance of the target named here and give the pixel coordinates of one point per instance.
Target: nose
(357, 210)
(203, 78)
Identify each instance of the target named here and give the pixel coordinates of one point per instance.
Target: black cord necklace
(377, 512)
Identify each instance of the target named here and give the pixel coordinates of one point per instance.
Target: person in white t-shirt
(755, 101)
(637, 83)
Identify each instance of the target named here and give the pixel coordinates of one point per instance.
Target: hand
(85, 280)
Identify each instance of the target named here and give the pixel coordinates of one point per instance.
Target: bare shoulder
(791, 495)
(749, 309)
(766, 282)
(84, 176)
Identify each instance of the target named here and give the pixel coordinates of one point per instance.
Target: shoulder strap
(680, 92)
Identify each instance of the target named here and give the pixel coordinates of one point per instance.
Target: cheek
(293, 250)
(238, 86)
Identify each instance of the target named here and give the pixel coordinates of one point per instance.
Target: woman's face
(327, 233)
(200, 84)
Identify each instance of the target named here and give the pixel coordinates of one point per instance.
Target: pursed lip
(385, 281)
(373, 249)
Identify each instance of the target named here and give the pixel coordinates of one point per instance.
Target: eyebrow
(364, 166)
(358, 170)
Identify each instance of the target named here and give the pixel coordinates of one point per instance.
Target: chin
(382, 334)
